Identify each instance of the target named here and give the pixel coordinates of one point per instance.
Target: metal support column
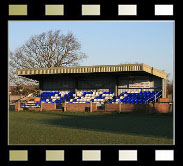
(116, 86)
(164, 88)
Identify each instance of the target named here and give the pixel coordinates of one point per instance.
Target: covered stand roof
(30, 73)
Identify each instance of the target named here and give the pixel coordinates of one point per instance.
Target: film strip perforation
(122, 155)
(91, 9)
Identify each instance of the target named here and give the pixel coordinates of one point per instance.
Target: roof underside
(30, 73)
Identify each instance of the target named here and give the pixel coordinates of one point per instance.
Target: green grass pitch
(29, 127)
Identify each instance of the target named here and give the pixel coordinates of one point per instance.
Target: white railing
(29, 95)
(155, 98)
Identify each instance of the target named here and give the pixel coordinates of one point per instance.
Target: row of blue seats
(84, 93)
(139, 99)
(51, 100)
(102, 92)
(131, 98)
(48, 94)
(107, 93)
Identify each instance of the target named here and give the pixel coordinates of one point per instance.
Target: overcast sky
(109, 42)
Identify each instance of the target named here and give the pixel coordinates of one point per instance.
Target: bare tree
(169, 85)
(24, 89)
(48, 49)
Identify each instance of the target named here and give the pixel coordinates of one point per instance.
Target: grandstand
(127, 83)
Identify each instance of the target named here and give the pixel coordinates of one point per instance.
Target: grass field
(89, 128)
